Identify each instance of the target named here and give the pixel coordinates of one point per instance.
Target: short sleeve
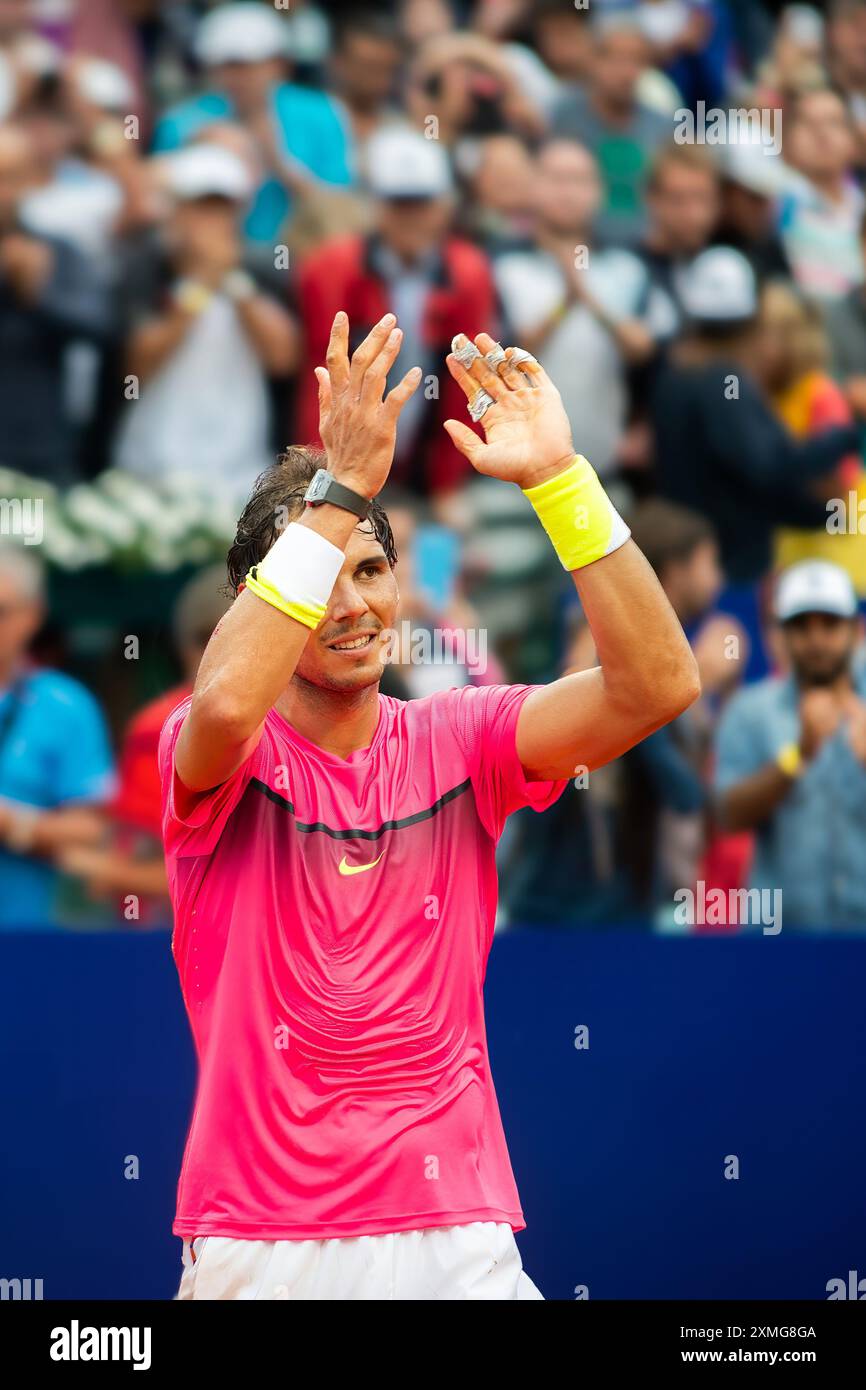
(741, 745)
(193, 822)
(484, 722)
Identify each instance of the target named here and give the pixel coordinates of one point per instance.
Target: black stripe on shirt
(361, 834)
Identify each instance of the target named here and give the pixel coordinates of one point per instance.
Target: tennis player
(330, 853)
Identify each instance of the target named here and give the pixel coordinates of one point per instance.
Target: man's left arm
(646, 676)
(647, 673)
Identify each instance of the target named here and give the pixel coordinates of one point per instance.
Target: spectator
(846, 62)
(131, 866)
(719, 448)
(792, 757)
(557, 56)
(364, 67)
(437, 284)
(807, 401)
(498, 213)
(752, 184)
(55, 761)
(70, 198)
(683, 204)
(846, 327)
(608, 118)
(204, 336)
(586, 314)
(462, 87)
(821, 214)
(50, 299)
(299, 131)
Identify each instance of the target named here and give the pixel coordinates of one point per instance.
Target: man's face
(567, 187)
(564, 42)
(202, 224)
(685, 207)
(19, 621)
(696, 581)
(820, 140)
(247, 84)
(362, 609)
(846, 44)
(413, 226)
(616, 65)
(749, 212)
(366, 67)
(820, 646)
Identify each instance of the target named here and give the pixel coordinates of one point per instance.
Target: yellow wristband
(790, 760)
(192, 297)
(578, 515)
(308, 614)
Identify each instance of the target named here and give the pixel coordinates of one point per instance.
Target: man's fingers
(510, 373)
(365, 355)
(396, 399)
(337, 356)
(373, 383)
(324, 391)
(467, 383)
(466, 440)
(479, 369)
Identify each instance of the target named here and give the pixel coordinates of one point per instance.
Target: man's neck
(560, 243)
(337, 721)
(658, 244)
(831, 186)
(613, 113)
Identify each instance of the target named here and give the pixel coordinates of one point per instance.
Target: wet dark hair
(278, 498)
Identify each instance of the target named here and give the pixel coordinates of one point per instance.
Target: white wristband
(302, 566)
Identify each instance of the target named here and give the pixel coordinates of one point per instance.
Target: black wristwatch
(325, 488)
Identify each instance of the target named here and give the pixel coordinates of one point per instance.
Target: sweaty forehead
(363, 542)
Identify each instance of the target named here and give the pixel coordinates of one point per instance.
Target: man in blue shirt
(792, 757)
(298, 132)
(55, 759)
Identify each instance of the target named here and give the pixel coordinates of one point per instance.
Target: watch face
(318, 489)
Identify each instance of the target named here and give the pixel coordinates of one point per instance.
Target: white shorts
(476, 1261)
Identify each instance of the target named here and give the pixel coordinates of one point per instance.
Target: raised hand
(357, 427)
(527, 433)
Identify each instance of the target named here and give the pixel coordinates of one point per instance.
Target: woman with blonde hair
(795, 354)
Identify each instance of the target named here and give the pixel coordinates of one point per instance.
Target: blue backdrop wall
(698, 1049)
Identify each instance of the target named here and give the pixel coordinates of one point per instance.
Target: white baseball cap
(718, 286)
(814, 586)
(403, 163)
(104, 85)
(241, 33)
(749, 166)
(201, 171)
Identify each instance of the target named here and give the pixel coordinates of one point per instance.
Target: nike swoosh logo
(347, 869)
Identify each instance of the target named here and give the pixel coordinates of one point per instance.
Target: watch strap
(325, 488)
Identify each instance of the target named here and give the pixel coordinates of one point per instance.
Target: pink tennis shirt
(333, 919)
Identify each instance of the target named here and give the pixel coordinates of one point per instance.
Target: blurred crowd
(664, 201)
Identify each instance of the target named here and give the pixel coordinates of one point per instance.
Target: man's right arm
(255, 649)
